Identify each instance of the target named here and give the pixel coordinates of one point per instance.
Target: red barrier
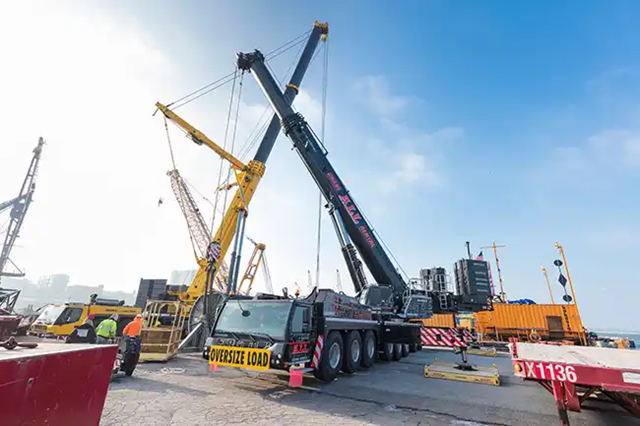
(55, 384)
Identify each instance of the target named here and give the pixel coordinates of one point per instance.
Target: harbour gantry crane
(19, 206)
(247, 176)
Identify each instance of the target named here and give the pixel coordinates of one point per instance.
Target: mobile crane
(198, 302)
(327, 331)
(248, 177)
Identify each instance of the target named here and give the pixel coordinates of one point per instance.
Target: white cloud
(416, 158)
(377, 96)
(617, 147)
(603, 156)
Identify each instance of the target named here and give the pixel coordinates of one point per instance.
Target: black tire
(419, 347)
(413, 347)
(325, 371)
(132, 363)
(387, 352)
(397, 351)
(405, 350)
(352, 349)
(369, 346)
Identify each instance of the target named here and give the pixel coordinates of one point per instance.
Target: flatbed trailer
(576, 374)
(55, 384)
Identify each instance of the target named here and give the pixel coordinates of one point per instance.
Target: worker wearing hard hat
(107, 330)
(133, 328)
(84, 333)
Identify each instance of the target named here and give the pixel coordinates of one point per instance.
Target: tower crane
(19, 206)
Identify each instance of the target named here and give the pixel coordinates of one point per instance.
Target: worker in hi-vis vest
(107, 330)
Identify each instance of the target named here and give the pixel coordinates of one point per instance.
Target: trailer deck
(575, 375)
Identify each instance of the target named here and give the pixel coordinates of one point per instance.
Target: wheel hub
(355, 351)
(334, 356)
(370, 348)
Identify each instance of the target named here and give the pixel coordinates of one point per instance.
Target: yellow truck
(59, 320)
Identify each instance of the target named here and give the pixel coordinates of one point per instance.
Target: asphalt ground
(184, 392)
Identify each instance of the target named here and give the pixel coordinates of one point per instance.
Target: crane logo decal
(357, 218)
(334, 181)
(351, 208)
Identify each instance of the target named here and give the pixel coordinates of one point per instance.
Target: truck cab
(261, 333)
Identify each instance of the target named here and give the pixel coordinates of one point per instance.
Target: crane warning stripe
(315, 362)
(447, 337)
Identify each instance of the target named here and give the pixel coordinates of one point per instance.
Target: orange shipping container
(549, 318)
(440, 320)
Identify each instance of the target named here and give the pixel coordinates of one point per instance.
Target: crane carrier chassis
(323, 333)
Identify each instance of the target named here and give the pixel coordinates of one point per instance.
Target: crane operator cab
(260, 333)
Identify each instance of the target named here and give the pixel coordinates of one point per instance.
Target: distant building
(58, 283)
(81, 293)
(183, 277)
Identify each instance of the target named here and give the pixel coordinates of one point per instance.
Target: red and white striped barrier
(317, 352)
(443, 337)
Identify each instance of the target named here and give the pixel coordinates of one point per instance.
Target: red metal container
(55, 384)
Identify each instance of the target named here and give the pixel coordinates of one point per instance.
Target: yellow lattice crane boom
(247, 176)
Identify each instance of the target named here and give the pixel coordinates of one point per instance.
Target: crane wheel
(397, 351)
(369, 346)
(413, 347)
(405, 350)
(352, 352)
(387, 352)
(331, 358)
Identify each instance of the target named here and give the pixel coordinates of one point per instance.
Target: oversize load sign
(255, 359)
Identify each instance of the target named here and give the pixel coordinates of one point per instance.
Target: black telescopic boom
(270, 136)
(314, 156)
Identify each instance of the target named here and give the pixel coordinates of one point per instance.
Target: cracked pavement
(184, 392)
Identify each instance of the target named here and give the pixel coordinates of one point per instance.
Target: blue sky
(449, 121)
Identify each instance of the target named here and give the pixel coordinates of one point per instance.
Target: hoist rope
(325, 80)
(230, 171)
(166, 129)
(208, 88)
(226, 134)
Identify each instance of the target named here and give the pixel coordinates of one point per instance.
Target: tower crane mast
(19, 207)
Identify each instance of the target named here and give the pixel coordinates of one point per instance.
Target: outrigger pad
(447, 371)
